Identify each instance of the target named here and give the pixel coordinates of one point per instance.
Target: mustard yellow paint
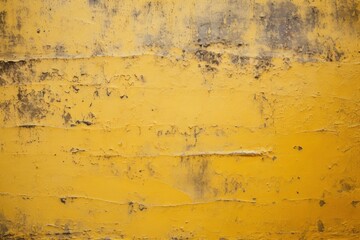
(179, 119)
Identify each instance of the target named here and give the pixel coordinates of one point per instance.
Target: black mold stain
(5, 108)
(320, 226)
(12, 71)
(263, 64)
(32, 105)
(241, 60)
(209, 57)
(63, 200)
(50, 75)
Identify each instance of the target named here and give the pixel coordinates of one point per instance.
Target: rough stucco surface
(179, 119)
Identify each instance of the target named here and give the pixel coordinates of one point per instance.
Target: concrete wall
(179, 119)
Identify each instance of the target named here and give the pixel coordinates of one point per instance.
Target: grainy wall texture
(179, 119)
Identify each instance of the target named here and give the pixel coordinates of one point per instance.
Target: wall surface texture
(180, 119)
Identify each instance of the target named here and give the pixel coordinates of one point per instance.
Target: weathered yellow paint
(179, 119)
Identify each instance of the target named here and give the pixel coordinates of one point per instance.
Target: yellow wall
(179, 119)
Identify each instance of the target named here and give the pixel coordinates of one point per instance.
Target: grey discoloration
(312, 17)
(60, 50)
(320, 226)
(284, 28)
(93, 2)
(225, 26)
(346, 11)
(200, 177)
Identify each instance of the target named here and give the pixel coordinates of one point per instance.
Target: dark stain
(322, 203)
(3, 230)
(76, 150)
(199, 176)
(135, 207)
(355, 203)
(124, 97)
(3, 22)
(12, 71)
(283, 26)
(5, 108)
(232, 185)
(75, 88)
(241, 60)
(27, 126)
(87, 123)
(18, 23)
(65, 200)
(67, 117)
(262, 64)
(32, 105)
(209, 57)
(223, 26)
(346, 185)
(54, 74)
(312, 17)
(299, 148)
(59, 50)
(94, 2)
(142, 207)
(346, 12)
(331, 52)
(98, 49)
(320, 226)
(136, 13)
